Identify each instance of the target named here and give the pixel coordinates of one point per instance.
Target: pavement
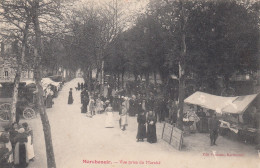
(82, 142)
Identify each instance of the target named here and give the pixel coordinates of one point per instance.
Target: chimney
(2, 49)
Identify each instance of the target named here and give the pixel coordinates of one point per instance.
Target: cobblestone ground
(77, 138)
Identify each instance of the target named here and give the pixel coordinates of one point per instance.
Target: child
(99, 105)
(91, 107)
(109, 119)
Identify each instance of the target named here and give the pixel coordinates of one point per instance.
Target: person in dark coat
(149, 105)
(49, 102)
(78, 85)
(82, 86)
(141, 132)
(133, 106)
(213, 124)
(157, 109)
(20, 155)
(70, 99)
(163, 110)
(151, 128)
(85, 102)
(4, 155)
(13, 133)
(82, 94)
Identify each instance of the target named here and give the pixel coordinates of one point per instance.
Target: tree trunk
(96, 80)
(90, 79)
(15, 93)
(154, 77)
(20, 61)
(147, 81)
(102, 77)
(136, 76)
(181, 69)
(114, 82)
(38, 76)
(97, 75)
(181, 97)
(118, 80)
(123, 73)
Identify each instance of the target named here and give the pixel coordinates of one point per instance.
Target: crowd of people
(16, 146)
(147, 109)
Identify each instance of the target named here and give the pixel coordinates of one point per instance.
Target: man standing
(213, 129)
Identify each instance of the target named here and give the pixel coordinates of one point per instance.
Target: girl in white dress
(91, 107)
(109, 119)
(99, 106)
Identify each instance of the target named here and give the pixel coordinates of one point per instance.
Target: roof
(234, 105)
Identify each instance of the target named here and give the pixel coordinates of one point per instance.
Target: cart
(28, 111)
(24, 106)
(5, 108)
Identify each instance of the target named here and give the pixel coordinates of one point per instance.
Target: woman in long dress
(20, 153)
(123, 118)
(49, 94)
(109, 119)
(29, 145)
(151, 128)
(70, 99)
(85, 101)
(141, 132)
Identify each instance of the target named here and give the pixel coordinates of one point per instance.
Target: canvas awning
(28, 82)
(240, 104)
(234, 105)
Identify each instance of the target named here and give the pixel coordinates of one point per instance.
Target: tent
(47, 81)
(233, 105)
(28, 82)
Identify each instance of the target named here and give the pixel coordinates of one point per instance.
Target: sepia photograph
(129, 83)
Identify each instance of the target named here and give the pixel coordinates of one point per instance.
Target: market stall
(54, 86)
(238, 115)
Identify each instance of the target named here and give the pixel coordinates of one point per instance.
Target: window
(6, 74)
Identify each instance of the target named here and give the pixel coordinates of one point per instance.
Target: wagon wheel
(5, 110)
(28, 113)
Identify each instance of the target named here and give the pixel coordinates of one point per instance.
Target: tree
(208, 41)
(39, 8)
(222, 40)
(11, 12)
(92, 30)
(38, 13)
